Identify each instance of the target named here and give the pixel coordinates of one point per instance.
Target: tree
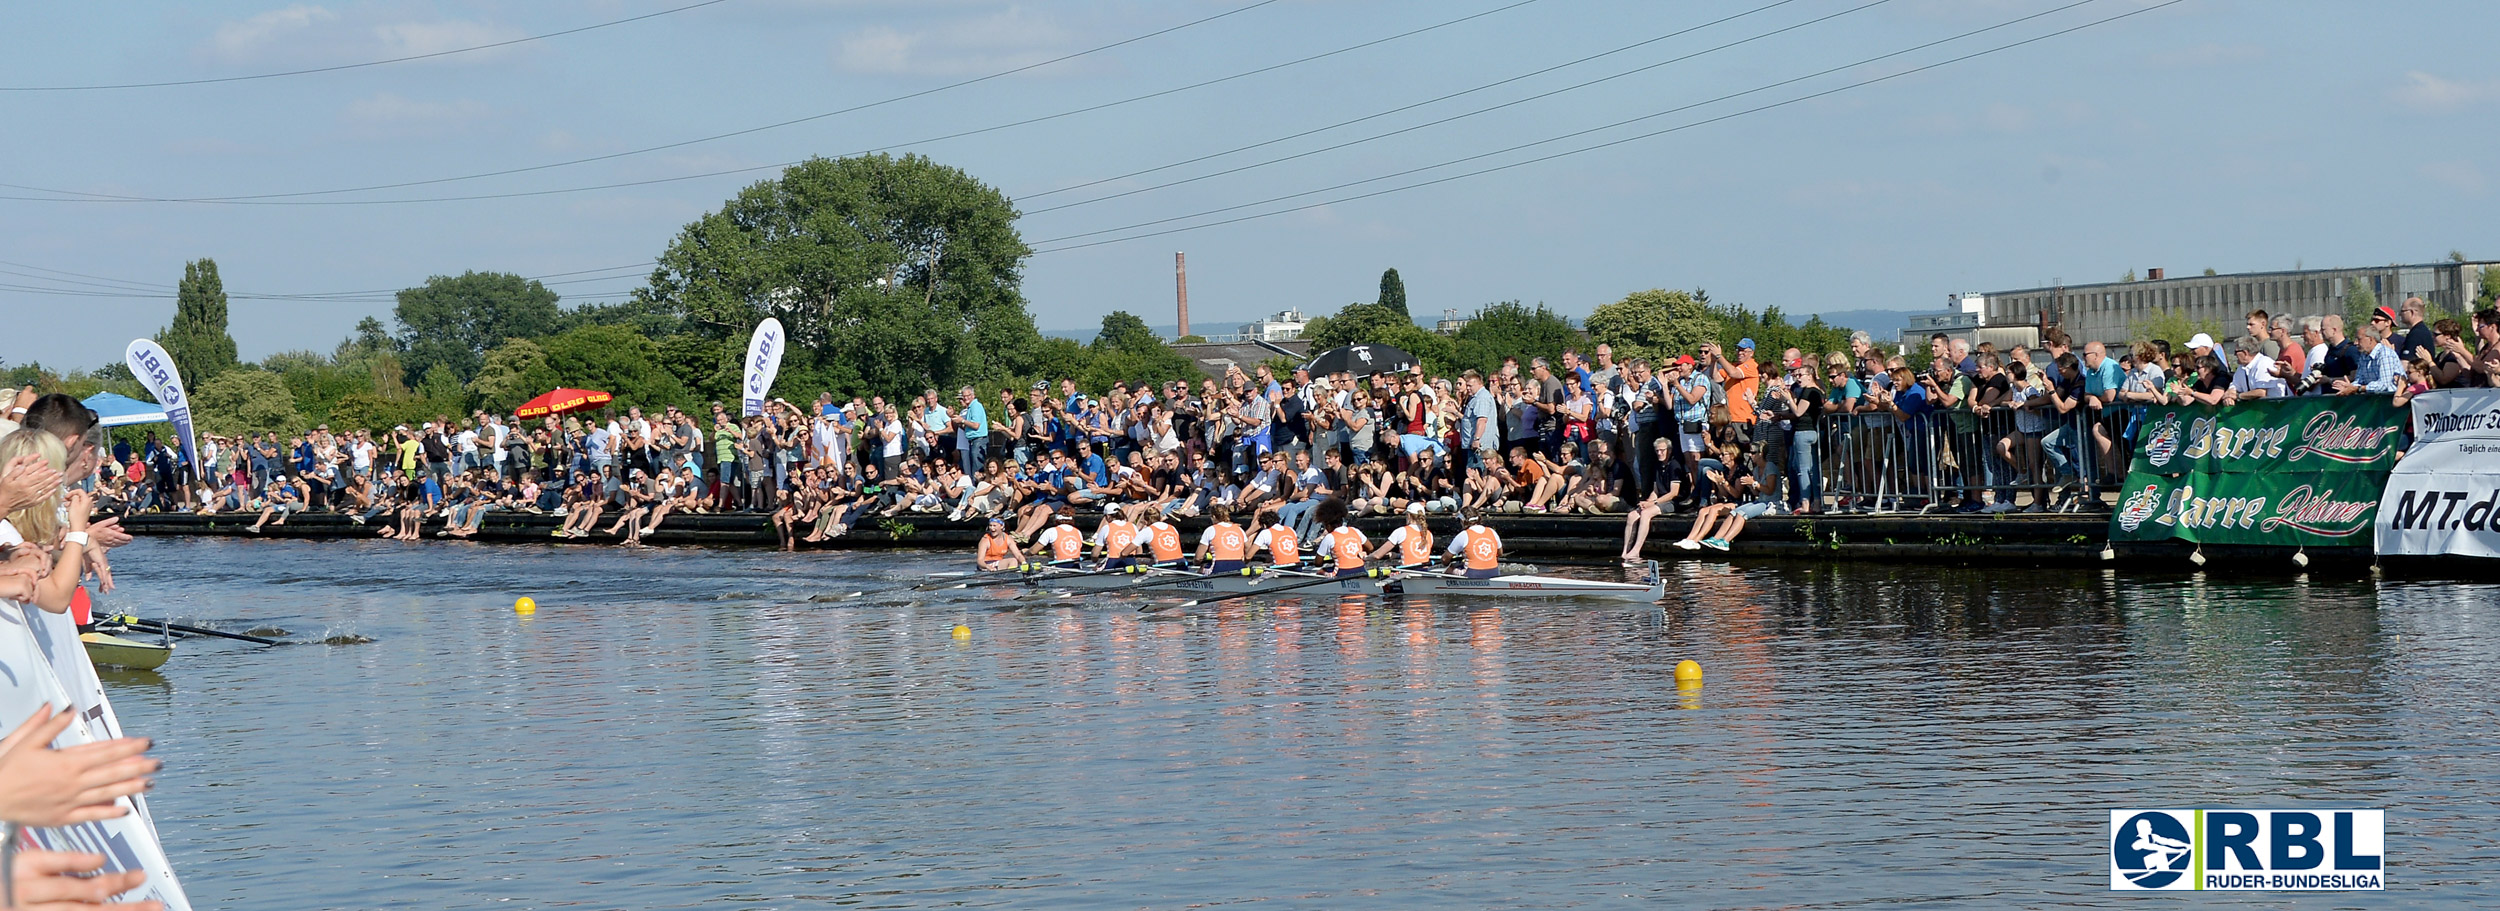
(2130, 276)
(1373, 324)
(1393, 293)
(1655, 324)
(1126, 351)
(2359, 300)
(2173, 326)
(1772, 334)
(2487, 290)
(451, 321)
(515, 372)
(615, 360)
(2456, 256)
(2209, 270)
(245, 401)
(197, 339)
(890, 274)
(1511, 329)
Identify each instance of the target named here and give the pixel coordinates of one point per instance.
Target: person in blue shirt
(972, 431)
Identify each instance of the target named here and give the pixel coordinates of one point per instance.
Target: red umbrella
(561, 401)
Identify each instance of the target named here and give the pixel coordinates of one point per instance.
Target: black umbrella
(1360, 360)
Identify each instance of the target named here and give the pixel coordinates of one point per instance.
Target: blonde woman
(52, 548)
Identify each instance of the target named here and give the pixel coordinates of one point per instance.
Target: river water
(681, 728)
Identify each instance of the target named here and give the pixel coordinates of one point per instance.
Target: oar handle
(197, 631)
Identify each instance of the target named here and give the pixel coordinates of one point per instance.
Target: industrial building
(2103, 312)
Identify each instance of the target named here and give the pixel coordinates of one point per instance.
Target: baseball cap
(1683, 360)
(1744, 343)
(1414, 509)
(2384, 312)
(2201, 341)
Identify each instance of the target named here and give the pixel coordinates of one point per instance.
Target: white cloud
(2436, 94)
(392, 116)
(314, 35)
(1004, 40)
(248, 40)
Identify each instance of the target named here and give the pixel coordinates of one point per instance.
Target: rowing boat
(108, 650)
(1183, 583)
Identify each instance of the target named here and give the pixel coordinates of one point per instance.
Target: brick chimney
(1180, 284)
(2152, 275)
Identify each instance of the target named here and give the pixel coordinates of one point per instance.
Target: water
(722, 729)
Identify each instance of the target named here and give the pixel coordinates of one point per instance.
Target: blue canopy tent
(120, 410)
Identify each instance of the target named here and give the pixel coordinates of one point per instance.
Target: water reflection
(1867, 733)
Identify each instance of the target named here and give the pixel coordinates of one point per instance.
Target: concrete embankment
(2009, 540)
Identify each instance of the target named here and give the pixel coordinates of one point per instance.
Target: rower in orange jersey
(1115, 540)
(1343, 541)
(1480, 548)
(998, 550)
(1064, 544)
(1282, 546)
(1412, 542)
(1163, 540)
(1224, 547)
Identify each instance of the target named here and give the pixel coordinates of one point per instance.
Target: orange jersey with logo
(1484, 550)
(1416, 548)
(1166, 542)
(1225, 541)
(1118, 538)
(1347, 544)
(1283, 548)
(1066, 545)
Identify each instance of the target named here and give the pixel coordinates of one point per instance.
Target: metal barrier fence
(2003, 461)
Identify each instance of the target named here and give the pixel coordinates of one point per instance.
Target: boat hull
(108, 650)
(1515, 586)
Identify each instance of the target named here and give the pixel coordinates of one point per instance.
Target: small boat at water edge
(108, 650)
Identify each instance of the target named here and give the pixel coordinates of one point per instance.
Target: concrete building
(2103, 312)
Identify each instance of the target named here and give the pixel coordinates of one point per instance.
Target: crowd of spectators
(1973, 429)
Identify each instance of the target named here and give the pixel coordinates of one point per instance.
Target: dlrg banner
(2444, 498)
(2296, 472)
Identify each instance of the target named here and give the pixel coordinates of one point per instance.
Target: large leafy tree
(615, 360)
(1511, 329)
(452, 321)
(198, 339)
(1373, 324)
(515, 372)
(891, 274)
(246, 401)
(1126, 351)
(1655, 324)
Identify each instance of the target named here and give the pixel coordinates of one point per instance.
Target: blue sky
(2212, 133)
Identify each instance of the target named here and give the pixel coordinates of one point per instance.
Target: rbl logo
(2248, 850)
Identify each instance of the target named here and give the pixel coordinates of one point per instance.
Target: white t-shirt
(2258, 374)
(364, 455)
(893, 431)
(467, 442)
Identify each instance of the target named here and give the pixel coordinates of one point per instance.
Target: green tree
(2359, 300)
(197, 339)
(1393, 293)
(317, 382)
(451, 321)
(1126, 351)
(2173, 326)
(245, 401)
(2487, 288)
(615, 360)
(891, 274)
(1656, 324)
(1373, 324)
(515, 372)
(1772, 333)
(1510, 329)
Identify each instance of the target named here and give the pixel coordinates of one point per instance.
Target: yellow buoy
(1688, 671)
(962, 631)
(525, 607)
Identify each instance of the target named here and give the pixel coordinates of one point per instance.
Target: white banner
(763, 363)
(2444, 497)
(155, 369)
(29, 680)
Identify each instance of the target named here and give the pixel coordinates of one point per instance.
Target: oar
(1323, 580)
(126, 619)
(1171, 576)
(962, 579)
(1050, 573)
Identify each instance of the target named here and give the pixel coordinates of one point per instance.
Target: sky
(2226, 134)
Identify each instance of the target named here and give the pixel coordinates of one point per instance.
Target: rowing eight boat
(1409, 582)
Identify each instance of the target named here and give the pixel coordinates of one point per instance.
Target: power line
(1462, 116)
(264, 197)
(293, 198)
(1592, 148)
(354, 66)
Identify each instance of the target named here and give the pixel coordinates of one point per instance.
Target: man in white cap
(2202, 344)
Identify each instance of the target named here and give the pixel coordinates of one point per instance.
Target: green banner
(2316, 433)
(2305, 508)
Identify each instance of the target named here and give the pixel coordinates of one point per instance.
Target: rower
(1481, 548)
(1412, 541)
(1163, 540)
(997, 550)
(1283, 547)
(1224, 546)
(1064, 544)
(1115, 540)
(1343, 540)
